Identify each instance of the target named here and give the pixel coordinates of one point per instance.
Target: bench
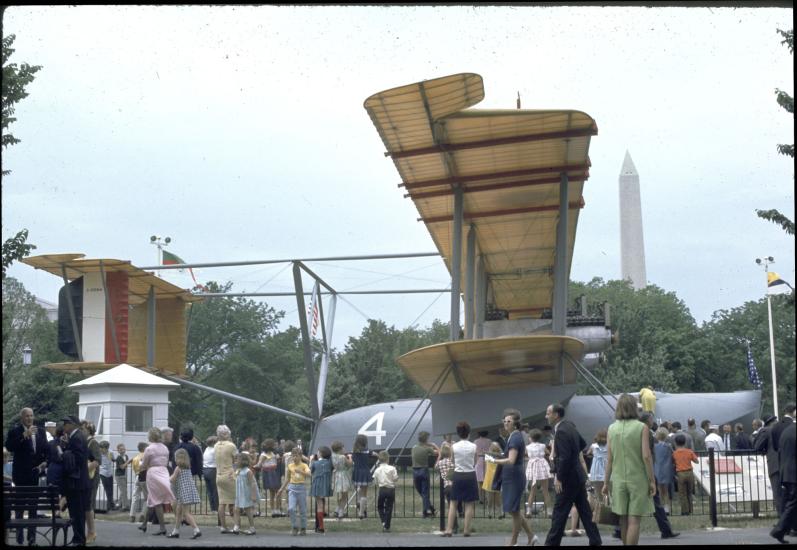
(25, 498)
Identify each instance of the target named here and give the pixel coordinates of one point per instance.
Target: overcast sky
(240, 133)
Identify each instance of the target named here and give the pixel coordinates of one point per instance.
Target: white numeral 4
(377, 432)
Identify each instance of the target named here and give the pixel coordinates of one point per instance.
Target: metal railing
(727, 484)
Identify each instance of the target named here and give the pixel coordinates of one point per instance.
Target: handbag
(603, 514)
(497, 477)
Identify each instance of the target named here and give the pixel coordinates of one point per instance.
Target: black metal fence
(727, 484)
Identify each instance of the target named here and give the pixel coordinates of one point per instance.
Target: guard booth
(124, 403)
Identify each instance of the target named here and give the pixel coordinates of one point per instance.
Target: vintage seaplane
(500, 193)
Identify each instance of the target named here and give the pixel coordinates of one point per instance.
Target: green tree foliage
(660, 344)
(366, 371)
(651, 323)
(25, 323)
(644, 368)
(15, 79)
(725, 336)
(218, 327)
(271, 371)
(786, 102)
(16, 248)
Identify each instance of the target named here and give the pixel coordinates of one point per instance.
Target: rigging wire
(428, 307)
(286, 266)
(389, 275)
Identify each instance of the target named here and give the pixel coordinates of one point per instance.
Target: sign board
(736, 478)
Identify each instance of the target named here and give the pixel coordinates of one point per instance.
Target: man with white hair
(29, 445)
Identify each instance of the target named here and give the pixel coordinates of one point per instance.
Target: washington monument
(632, 242)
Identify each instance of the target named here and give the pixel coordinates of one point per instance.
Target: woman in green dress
(629, 469)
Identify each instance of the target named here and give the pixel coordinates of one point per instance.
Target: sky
(240, 133)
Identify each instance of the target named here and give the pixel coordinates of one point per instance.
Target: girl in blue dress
(321, 484)
(246, 494)
(361, 475)
(663, 468)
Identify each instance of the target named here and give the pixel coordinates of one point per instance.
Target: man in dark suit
(571, 478)
(28, 442)
(763, 445)
(788, 480)
(743, 441)
(774, 440)
(76, 483)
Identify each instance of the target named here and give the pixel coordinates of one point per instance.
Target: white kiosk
(124, 403)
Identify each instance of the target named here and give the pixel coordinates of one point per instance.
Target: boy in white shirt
(385, 477)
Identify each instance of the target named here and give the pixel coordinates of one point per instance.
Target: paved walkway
(113, 533)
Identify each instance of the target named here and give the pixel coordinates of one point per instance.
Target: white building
(49, 308)
(124, 403)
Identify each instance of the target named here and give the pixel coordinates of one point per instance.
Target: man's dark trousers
(561, 510)
(76, 504)
(420, 478)
(661, 516)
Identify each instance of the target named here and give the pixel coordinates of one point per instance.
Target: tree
(652, 324)
(366, 371)
(15, 248)
(786, 102)
(270, 371)
(219, 326)
(726, 336)
(15, 80)
(25, 323)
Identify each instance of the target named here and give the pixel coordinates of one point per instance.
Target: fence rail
(740, 481)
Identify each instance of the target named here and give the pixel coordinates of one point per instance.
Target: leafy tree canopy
(366, 371)
(25, 323)
(15, 79)
(220, 326)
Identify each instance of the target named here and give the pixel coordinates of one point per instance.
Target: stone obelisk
(632, 243)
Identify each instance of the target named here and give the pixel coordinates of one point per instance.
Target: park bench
(42, 498)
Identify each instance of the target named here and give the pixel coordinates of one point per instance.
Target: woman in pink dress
(159, 489)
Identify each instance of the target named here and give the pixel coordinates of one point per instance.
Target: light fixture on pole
(765, 261)
(27, 355)
(160, 242)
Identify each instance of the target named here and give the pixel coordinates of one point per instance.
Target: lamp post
(160, 242)
(27, 355)
(765, 261)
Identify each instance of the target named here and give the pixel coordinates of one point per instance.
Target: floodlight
(167, 240)
(153, 238)
(758, 261)
(771, 259)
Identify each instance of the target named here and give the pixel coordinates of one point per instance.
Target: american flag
(312, 311)
(752, 372)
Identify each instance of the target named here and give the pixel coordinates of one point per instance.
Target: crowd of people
(634, 467)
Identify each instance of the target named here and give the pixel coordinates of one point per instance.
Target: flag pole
(766, 260)
(772, 356)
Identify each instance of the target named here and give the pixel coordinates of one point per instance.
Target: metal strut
(592, 380)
